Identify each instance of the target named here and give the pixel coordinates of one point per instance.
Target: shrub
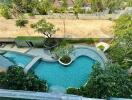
(5, 11)
(112, 81)
(51, 43)
(37, 42)
(101, 47)
(63, 50)
(21, 22)
(58, 9)
(65, 59)
(16, 79)
(83, 40)
(73, 91)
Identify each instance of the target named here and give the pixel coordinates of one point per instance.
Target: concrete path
(45, 54)
(12, 47)
(30, 65)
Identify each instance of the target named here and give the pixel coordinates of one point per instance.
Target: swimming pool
(74, 75)
(18, 58)
(58, 76)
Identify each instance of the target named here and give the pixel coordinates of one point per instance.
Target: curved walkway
(91, 52)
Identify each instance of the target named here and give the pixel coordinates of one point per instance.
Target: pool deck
(45, 54)
(12, 47)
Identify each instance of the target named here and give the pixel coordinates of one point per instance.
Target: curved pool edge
(73, 57)
(99, 53)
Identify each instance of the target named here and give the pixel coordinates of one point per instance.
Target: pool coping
(95, 50)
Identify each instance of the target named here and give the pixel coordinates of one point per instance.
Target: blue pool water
(18, 59)
(74, 75)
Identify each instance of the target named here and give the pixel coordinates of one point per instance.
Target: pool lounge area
(58, 76)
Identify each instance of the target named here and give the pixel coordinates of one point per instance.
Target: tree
(44, 6)
(44, 27)
(5, 11)
(77, 7)
(112, 5)
(112, 81)
(96, 5)
(24, 6)
(121, 47)
(16, 79)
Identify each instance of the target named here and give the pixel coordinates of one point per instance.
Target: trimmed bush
(65, 59)
(37, 42)
(81, 40)
(101, 47)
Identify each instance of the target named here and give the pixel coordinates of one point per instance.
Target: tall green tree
(77, 7)
(44, 6)
(113, 5)
(121, 47)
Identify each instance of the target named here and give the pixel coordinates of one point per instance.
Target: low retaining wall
(30, 95)
(94, 16)
(7, 40)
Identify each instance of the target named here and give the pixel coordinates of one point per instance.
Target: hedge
(22, 41)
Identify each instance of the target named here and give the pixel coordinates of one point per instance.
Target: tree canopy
(112, 81)
(16, 79)
(121, 47)
(44, 27)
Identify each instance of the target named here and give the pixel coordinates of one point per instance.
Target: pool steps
(28, 67)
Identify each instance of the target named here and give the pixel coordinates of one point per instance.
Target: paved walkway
(45, 54)
(28, 67)
(12, 47)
